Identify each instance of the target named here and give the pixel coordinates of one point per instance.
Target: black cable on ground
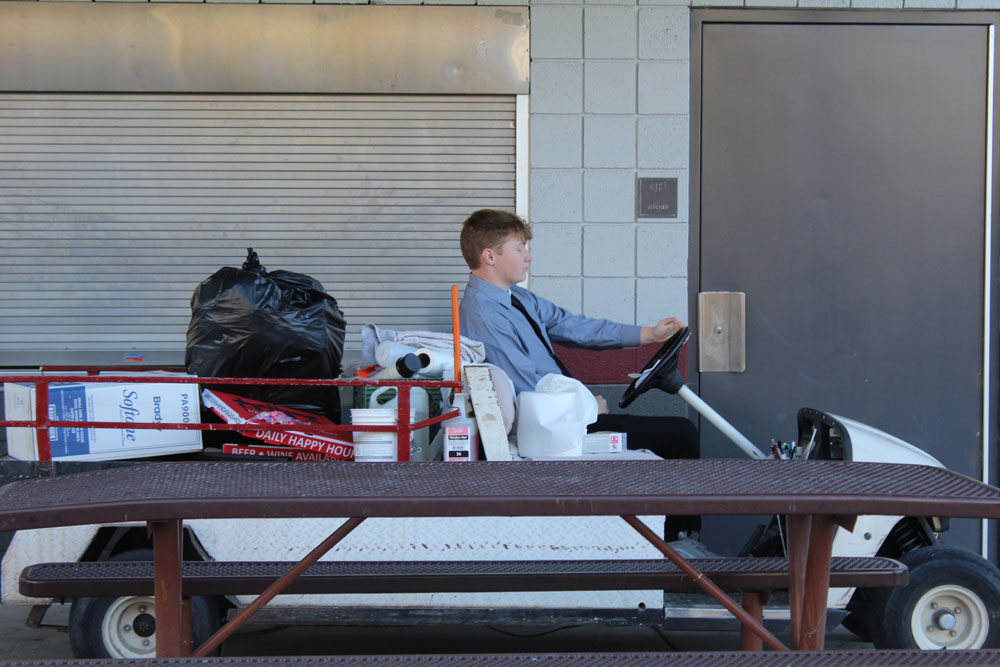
(658, 630)
(537, 634)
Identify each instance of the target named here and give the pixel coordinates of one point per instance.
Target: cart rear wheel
(952, 601)
(125, 627)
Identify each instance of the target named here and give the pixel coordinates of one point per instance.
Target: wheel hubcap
(949, 617)
(145, 625)
(944, 620)
(129, 628)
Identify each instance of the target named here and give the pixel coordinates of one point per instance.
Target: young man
(518, 329)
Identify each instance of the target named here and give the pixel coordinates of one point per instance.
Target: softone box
(605, 442)
(105, 402)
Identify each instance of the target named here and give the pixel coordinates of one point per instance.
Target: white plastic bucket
(373, 416)
(375, 445)
(419, 409)
(370, 447)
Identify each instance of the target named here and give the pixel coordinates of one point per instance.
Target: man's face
(511, 260)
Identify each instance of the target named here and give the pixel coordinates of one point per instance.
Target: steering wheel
(660, 372)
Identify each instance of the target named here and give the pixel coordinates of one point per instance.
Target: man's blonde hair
(488, 228)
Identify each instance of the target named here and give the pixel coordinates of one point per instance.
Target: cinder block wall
(609, 103)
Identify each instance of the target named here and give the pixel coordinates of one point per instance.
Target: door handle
(722, 332)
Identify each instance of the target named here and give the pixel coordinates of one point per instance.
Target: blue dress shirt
(487, 315)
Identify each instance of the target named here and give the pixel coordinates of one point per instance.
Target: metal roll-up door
(114, 207)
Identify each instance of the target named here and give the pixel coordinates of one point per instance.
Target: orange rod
(456, 333)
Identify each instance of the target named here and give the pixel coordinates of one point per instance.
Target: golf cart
(953, 600)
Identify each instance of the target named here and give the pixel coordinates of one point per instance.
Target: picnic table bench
(66, 580)
(753, 578)
(816, 496)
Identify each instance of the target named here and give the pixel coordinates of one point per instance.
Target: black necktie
(538, 332)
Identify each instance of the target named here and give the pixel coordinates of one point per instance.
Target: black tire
(952, 601)
(859, 620)
(859, 624)
(124, 627)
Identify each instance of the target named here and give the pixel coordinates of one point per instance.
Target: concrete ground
(21, 642)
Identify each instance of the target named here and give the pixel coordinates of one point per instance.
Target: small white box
(105, 402)
(605, 442)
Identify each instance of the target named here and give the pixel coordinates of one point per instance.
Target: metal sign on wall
(200, 48)
(656, 197)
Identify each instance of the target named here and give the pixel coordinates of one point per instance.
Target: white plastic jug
(435, 363)
(420, 408)
(388, 351)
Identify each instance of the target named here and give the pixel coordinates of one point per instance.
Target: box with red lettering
(238, 410)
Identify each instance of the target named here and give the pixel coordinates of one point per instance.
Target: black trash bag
(253, 323)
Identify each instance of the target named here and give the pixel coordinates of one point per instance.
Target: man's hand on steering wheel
(661, 331)
(660, 371)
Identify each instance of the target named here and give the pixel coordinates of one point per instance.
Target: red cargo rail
(42, 422)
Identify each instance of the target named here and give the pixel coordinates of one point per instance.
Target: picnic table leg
(705, 583)
(167, 544)
(277, 587)
(798, 549)
(187, 627)
(810, 547)
(753, 602)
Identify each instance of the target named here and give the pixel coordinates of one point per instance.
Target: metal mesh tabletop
(272, 490)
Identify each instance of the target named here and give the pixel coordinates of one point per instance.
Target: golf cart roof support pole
(728, 430)
(987, 293)
(456, 333)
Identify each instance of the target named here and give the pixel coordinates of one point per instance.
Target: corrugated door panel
(114, 207)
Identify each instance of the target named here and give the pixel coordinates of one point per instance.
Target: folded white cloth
(473, 351)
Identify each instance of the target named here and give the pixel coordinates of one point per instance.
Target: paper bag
(553, 419)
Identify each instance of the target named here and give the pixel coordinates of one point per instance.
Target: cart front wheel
(950, 617)
(952, 602)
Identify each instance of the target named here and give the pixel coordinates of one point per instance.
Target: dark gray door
(842, 188)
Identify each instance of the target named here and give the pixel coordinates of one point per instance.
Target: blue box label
(68, 403)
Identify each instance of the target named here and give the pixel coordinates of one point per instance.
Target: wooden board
(488, 416)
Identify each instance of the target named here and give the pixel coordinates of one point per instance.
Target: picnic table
(816, 497)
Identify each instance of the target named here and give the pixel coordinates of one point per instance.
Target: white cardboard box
(107, 402)
(605, 442)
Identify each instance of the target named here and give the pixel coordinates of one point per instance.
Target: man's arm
(581, 331)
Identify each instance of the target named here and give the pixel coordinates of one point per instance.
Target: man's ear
(487, 256)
